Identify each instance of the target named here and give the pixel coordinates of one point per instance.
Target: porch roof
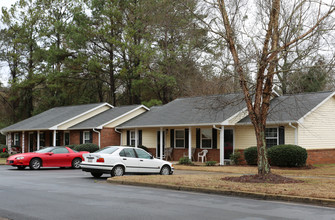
(292, 108)
(52, 117)
(107, 116)
(205, 110)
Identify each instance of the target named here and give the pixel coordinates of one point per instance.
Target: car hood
(22, 155)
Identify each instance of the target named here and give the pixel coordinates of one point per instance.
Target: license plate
(89, 160)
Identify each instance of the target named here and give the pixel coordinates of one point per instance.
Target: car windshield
(107, 150)
(45, 150)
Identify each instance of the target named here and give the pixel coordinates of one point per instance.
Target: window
(142, 154)
(206, 138)
(127, 152)
(180, 139)
(87, 137)
(66, 138)
(42, 139)
(17, 139)
(271, 136)
(132, 138)
(60, 150)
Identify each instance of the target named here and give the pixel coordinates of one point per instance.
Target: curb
(263, 196)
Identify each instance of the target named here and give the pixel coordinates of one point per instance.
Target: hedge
(86, 147)
(287, 156)
(250, 155)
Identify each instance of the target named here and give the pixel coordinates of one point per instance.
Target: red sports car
(47, 157)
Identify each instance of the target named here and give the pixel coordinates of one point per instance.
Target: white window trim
(85, 132)
(272, 138)
(207, 139)
(66, 132)
(175, 138)
(17, 139)
(132, 139)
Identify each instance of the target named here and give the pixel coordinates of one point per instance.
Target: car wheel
(76, 163)
(165, 170)
(96, 175)
(117, 171)
(35, 164)
(21, 167)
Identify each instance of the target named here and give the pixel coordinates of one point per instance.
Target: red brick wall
(324, 156)
(109, 137)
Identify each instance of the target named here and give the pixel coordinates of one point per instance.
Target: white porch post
(22, 141)
(54, 139)
(189, 143)
(222, 146)
(161, 144)
(9, 142)
(38, 140)
(136, 137)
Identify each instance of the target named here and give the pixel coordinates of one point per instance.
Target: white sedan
(118, 160)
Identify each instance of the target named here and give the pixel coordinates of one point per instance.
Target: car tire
(35, 164)
(96, 175)
(76, 163)
(21, 167)
(165, 170)
(117, 171)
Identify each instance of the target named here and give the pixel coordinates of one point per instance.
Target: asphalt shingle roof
(104, 117)
(51, 117)
(291, 108)
(189, 111)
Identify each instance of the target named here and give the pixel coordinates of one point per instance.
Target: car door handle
(124, 158)
(141, 160)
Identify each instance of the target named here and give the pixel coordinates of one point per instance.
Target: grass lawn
(3, 161)
(318, 182)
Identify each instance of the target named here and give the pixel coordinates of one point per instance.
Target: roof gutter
(295, 133)
(98, 135)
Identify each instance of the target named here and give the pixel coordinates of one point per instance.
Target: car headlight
(19, 158)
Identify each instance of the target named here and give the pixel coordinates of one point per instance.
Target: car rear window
(107, 150)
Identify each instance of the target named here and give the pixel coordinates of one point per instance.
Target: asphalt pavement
(72, 194)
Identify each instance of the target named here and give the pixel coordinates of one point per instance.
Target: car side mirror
(151, 157)
(50, 153)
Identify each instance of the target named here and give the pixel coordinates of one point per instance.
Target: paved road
(73, 194)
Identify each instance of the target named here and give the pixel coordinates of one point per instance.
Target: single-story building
(220, 124)
(90, 123)
(217, 123)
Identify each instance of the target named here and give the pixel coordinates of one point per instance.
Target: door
(228, 143)
(129, 159)
(31, 142)
(158, 149)
(146, 163)
(60, 158)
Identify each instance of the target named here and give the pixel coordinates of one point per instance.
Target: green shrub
(144, 148)
(72, 146)
(236, 157)
(211, 163)
(87, 147)
(287, 156)
(4, 155)
(250, 155)
(185, 161)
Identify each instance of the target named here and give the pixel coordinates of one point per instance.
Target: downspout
(295, 133)
(98, 136)
(120, 135)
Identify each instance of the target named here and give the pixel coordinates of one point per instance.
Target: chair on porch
(203, 155)
(192, 153)
(168, 153)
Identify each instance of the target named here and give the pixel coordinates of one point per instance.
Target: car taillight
(101, 160)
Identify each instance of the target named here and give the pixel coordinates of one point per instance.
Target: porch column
(161, 144)
(38, 140)
(22, 141)
(136, 137)
(9, 142)
(189, 143)
(222, 146)
(54, 139)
